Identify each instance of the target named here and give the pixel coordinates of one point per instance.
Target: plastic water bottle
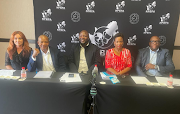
(170, 81)
(23, 73)
(95, 71)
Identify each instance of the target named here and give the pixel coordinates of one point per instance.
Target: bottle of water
(170, 81)
(94, 74)
(95, 71)
(23, 73)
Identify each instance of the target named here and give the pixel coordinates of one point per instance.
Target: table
(130, 98)
(42, 96)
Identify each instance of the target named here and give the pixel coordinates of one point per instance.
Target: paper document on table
(67, 78)
(43, 74)
(140, 80)
(161, 79)
(6, 72)
(176, 82)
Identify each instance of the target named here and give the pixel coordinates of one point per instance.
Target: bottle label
(23, 75)
(169, 83)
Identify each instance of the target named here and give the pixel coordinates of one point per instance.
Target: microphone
(94, 73)
(93, 90)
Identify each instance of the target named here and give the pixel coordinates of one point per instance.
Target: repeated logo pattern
(60, 4)
(147, 29)
(131, 40)
(103, 34)
(151, 7)
(75, 16)
(48, 34)
(90, 7)
(119, 7)
(61, 26)
(46, 15)
(164, 19)
(134, 18)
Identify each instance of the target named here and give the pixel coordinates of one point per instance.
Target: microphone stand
(93, 93)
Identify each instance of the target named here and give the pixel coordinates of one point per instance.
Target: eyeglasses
(152, 41)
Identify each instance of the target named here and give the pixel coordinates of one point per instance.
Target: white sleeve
(34, 59)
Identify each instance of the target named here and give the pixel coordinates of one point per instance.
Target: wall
(176, 53)
(19, 15)
(15, 15)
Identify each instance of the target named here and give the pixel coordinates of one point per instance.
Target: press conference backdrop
(138, 20)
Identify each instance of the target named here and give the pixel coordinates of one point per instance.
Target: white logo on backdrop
(103, 36)
(119, 7)
(102, 53)
(75, 38)
(61, 47)
(46, 15)
(162, 40)
(150, 7)
(61, 26)
(164, 19)
(134, 18)
(60, 4)
(48, 34)
(90, 7)
(147, 29)
(75, 16)
(131, 40)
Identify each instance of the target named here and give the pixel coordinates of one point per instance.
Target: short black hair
(154, 36)
(119, 35)
(85, 32)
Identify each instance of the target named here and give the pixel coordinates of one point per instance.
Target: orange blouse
(116, 62)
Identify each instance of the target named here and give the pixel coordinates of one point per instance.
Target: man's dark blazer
(92, 55)
(164, 61)
(57, 59)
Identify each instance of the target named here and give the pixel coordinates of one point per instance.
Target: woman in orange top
(118, 59)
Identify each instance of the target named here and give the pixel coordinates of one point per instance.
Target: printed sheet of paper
(140, 79)
(43, 74)
(176, 82)
(66, 78)
(6, 72)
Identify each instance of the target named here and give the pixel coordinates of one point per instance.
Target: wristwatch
(155, 67)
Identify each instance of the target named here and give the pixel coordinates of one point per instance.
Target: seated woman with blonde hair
(118, 59)
(18, 52)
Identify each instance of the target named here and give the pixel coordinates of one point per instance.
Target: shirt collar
(86, 44)
(151, 51)
(48, 51)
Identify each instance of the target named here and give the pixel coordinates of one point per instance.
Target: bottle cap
(170, 75)
(23, 67)
(95, 65)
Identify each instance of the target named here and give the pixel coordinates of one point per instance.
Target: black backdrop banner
(138, 20)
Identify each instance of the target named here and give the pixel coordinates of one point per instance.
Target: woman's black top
(18, 60)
